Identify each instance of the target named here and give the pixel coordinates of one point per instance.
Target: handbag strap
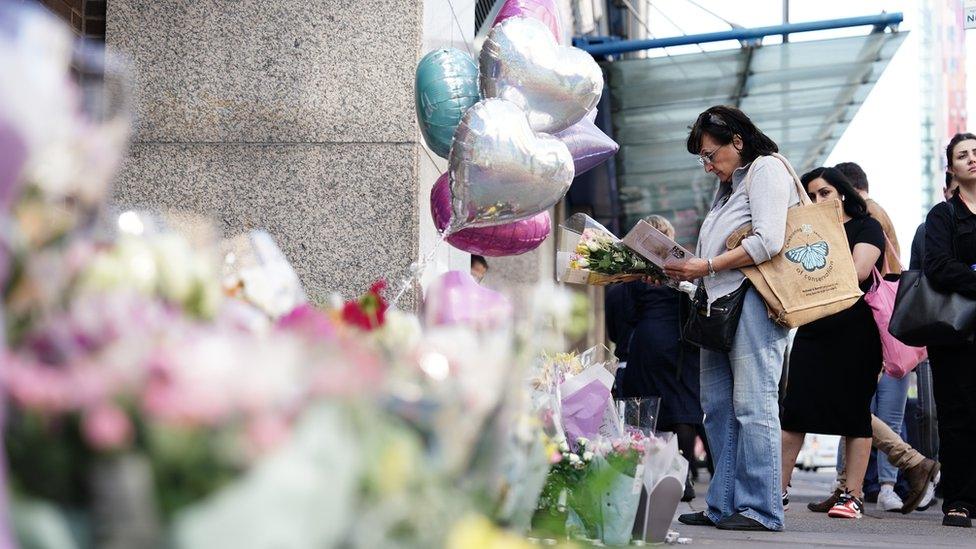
(884, 254)
(798, 185)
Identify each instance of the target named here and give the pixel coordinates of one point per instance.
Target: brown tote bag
(813, 276)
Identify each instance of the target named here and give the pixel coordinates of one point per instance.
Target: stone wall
(290, 115)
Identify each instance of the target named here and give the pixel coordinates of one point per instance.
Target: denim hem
(712, 516)
(774, 526)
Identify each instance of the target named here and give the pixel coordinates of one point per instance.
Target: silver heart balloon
(502, 171)
(555, 85)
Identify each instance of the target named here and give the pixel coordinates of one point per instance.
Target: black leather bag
(715, 331)
(924, 316)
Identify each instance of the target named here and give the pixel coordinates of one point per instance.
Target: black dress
(659, 362)
(835, 361)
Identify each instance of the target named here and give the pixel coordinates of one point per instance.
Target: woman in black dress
(950, 253)
(660, 364)
(835, 361)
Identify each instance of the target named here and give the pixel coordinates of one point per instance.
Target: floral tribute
(591, 254)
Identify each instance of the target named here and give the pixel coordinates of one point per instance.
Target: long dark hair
(854, 206)
(956, 139)
(722, 123)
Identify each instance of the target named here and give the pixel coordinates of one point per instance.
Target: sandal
(957, 516)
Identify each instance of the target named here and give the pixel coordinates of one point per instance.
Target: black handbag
(923, 316)
(714, 330)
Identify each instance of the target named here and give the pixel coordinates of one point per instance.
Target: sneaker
(786, 500)
(825, 505)
(888, 500)
(847, 506)
(929, 498)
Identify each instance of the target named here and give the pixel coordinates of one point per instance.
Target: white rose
(587, 456)
(593, 246)
(574, 459)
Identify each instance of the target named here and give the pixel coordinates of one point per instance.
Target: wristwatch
(711, 268)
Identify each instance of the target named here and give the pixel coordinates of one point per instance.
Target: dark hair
(952, 145)
(722, 123)
(948, 180)
(476, 259)
(854, 174)
(853, 204)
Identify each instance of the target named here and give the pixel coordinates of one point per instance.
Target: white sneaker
(888, 500)
(929, 493)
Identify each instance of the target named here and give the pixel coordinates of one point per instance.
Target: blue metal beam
(615, 47)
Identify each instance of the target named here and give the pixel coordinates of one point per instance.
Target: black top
(621, 316)
(918, 249)
(950, 247)
(866, 230)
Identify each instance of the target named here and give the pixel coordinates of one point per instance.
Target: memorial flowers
(591, 254)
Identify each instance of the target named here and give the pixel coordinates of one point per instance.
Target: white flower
(563, 446)
(583, 263)
(587, 456)
(583, 441)
(574, 459)
(593, 246)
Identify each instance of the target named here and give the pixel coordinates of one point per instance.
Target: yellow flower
(477, 532)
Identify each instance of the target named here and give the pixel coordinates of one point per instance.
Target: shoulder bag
(923, 315)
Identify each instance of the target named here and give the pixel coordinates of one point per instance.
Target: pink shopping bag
(899, 359)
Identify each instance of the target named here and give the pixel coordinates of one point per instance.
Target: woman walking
(950, 253)
(836, 360)
(740, 387)
(661, 364)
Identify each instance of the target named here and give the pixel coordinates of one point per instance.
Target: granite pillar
(290, 115)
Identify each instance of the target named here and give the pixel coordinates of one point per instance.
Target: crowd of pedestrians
(732, 396)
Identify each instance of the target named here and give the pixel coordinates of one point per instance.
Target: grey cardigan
(771, 192)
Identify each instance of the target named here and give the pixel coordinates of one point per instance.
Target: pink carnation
(106, 427)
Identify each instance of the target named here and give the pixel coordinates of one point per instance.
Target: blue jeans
(889, 405)
(739, 394)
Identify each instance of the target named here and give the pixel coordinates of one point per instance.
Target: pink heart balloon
(455, 298)
(587, 143)
(545, 11)
(513, 238)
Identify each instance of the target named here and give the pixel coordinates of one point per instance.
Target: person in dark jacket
(661, 364)
(950, 254)
(620, 317)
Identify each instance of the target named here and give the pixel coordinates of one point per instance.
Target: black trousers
(954, 383)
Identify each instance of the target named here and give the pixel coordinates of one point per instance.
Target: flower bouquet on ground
(593, 489)
(590, 254)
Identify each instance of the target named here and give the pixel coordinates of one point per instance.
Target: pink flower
(266, 432)
(106, 427)
(309, 321)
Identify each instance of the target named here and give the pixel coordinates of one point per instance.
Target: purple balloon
(545, 11)
(455, 298)
(513, 238)
(587, 143)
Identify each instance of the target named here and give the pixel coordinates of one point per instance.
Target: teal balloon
(446, 87)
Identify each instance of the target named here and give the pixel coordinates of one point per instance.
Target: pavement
(807, 529)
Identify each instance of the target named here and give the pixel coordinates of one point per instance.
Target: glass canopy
(801, 94)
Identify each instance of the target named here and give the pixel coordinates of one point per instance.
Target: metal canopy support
(879, 22)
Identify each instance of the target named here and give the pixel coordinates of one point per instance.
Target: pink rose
(106, 427)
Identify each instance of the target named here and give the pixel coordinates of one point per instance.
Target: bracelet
(711, 268)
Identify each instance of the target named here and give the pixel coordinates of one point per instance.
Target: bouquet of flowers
(590, 254)
(593, 488)
(580, 385)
